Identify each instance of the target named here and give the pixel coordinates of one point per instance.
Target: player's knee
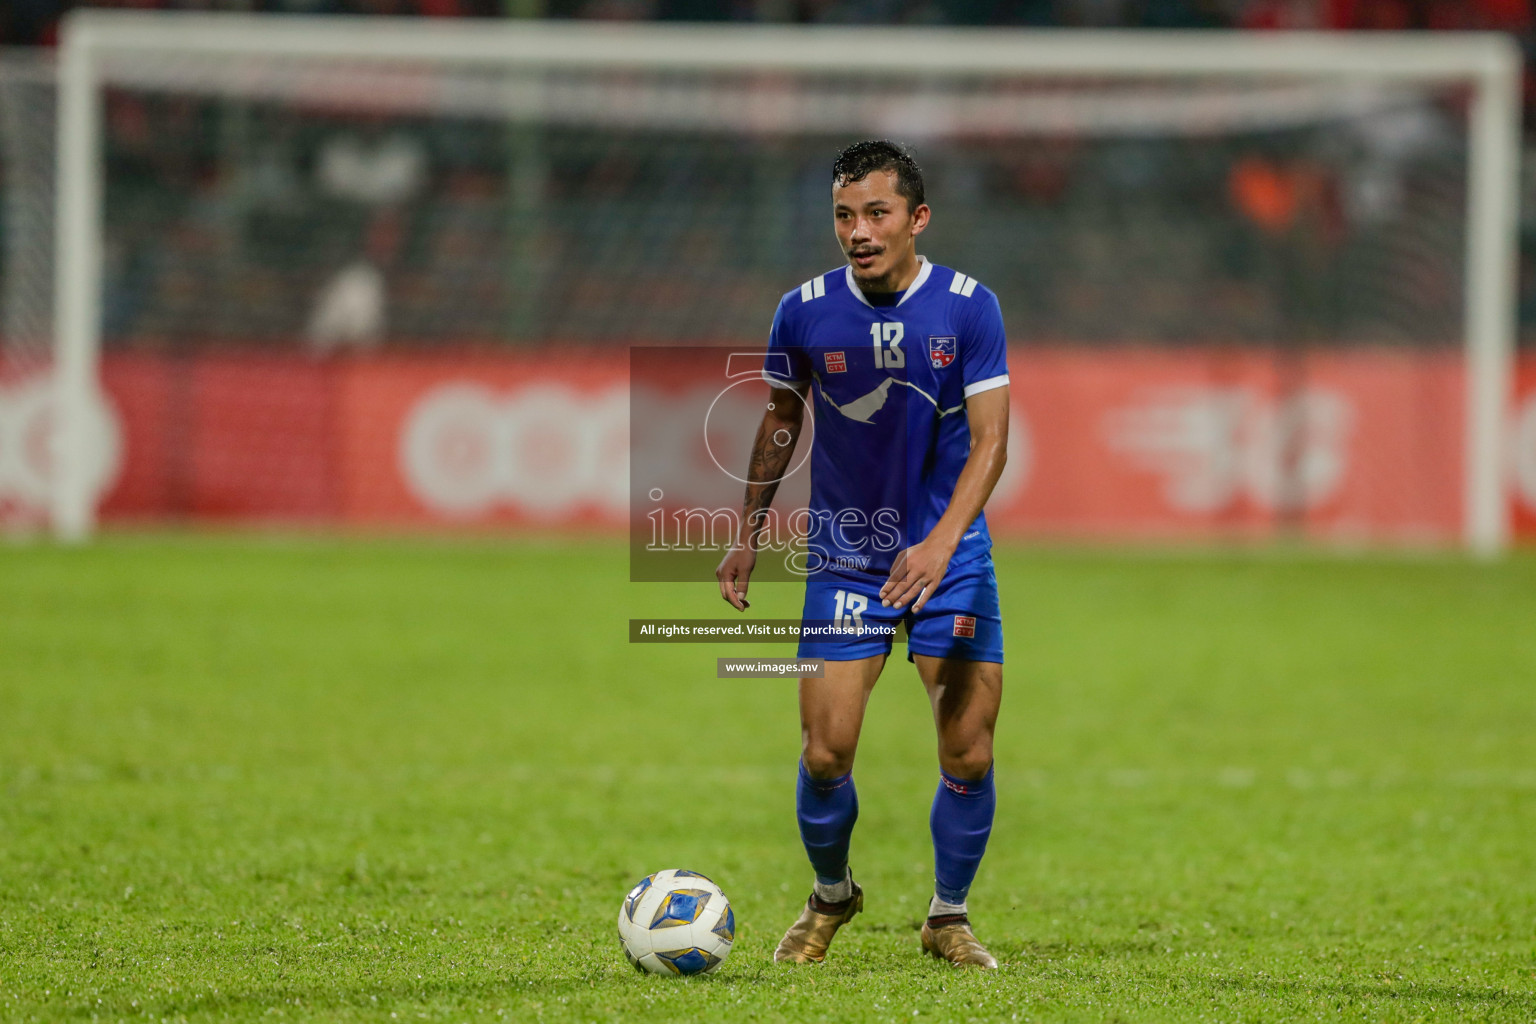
(970, 761)
(827, 761)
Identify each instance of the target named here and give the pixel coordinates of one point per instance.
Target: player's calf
(961, 822)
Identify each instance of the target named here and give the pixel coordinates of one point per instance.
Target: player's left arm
(983, 352)
(918, 569)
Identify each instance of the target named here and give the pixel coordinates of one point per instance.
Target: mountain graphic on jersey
(863, 408)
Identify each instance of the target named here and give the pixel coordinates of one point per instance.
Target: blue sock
(961, 822)
(827, 809)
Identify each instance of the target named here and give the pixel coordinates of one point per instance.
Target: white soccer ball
(676, 922)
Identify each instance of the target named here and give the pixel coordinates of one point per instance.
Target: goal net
(384, 272)
(27, 125)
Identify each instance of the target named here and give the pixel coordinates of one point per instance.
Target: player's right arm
(777, 435)
(788, 373)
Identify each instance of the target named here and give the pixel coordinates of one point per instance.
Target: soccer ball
(676, 922)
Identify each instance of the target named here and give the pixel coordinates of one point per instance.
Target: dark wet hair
(860, 160)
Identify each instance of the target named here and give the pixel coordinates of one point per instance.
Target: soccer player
(906, 364)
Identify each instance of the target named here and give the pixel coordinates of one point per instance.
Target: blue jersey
(890, 430)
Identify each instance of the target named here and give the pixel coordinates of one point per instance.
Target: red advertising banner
(1522, 448)
(530, 438)
(227, 437)
(1361, 445)
(1358, 445)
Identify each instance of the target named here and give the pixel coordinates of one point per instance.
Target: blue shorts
(962, 618)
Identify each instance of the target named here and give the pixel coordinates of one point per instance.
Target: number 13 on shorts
(853, 605)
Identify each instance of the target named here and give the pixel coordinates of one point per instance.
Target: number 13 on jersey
(892, 357)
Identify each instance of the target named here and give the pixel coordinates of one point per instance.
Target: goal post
(101, 49)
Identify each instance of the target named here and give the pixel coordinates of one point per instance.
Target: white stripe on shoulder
(986, 385)
(815, 288)
(963, 285)
(821, 286)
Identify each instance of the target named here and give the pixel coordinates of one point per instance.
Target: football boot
(949, 938)
(807, 940)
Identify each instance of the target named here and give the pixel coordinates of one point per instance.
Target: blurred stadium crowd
(234, 225)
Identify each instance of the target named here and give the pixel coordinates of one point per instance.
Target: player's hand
(916, 575)
(734, 572)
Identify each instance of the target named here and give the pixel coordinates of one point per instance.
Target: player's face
(877, 231)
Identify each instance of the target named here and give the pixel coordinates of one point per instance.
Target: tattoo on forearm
(764, 470)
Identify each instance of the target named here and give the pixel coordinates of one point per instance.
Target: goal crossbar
(950, 52)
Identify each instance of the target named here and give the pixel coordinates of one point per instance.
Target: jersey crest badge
(965, 625)
(836, 363)
(941, 352)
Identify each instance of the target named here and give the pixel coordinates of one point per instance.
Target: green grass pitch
(244, 779)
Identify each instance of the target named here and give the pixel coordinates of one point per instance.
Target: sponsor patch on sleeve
(836, 363)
